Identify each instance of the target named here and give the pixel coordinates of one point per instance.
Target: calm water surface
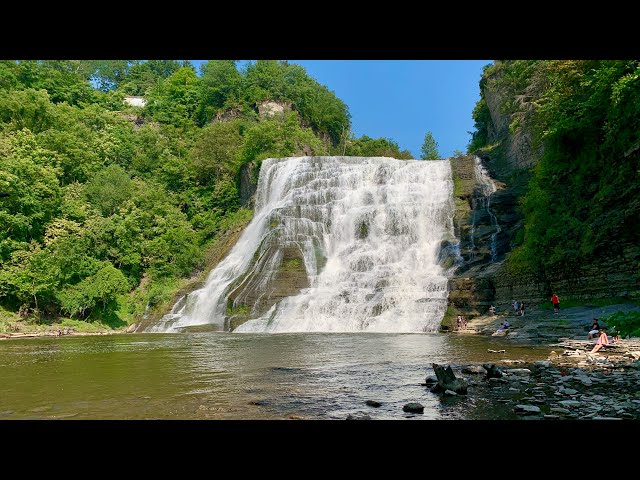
(219, 375)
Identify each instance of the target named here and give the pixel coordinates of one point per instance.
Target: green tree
(100, 289)
(175, 99)
(219, 89)
(215, 155)
(109, 189)
(429, 150)
(30, 178)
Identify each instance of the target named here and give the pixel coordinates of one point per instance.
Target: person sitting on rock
(594, 330)
(602, 341)
(492, 310)
(615, 335)
(502, 329)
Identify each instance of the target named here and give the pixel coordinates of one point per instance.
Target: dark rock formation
(413, 408)
(431, 379)
(477, 281)
(448, 381)
(493, 371)
(248, 183)
(373, 403)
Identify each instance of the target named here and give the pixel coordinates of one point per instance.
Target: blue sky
(403, 99)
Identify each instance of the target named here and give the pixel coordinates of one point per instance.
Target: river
(234, 376)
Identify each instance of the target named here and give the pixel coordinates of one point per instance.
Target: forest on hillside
(581, 199)
(106, 206)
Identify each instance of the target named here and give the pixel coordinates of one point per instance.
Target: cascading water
(487, 188)
(368, 231)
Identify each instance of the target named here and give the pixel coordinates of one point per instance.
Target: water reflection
(221, 375)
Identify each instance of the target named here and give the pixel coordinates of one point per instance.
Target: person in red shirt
(556, 303)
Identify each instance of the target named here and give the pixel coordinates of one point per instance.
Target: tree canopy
(582, 202)
(104, 204)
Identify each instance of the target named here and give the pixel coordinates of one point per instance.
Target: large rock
(519, 371)
(431, 379)
(493, 371)
(413, 408)
(527, 410)
(448, 381)
(474, 369)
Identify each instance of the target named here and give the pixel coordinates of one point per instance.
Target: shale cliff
(512, 134)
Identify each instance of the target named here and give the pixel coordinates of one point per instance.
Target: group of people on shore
(601, 332)
(518, 308)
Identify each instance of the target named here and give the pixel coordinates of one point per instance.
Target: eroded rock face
(248, 300)
(270, 108)
(484, 223)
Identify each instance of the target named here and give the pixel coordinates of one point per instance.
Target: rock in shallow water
(527, 410)
(448, 381)
(431, 379)
(473, 369)
(413, 408)
(357, 417)
(373, 403)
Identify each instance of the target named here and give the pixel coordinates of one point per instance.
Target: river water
(232, 376)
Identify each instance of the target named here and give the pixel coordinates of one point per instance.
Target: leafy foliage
(365, 146)
(105, 205)
(625, 323)
(583, 201)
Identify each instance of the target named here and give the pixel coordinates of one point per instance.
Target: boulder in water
(527, 410)
(473, 369)
(358, 417)
(413, 408)
(373, 403)
(493, 371)
(448, 381)
(431, 379)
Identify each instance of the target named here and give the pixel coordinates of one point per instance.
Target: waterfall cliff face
(487, 188)
(338, 244)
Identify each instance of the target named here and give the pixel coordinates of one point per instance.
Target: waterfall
(487, 188)
(367, 232)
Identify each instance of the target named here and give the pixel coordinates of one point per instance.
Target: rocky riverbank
(571, 383)
(565, 386)
(23, 329)
(59, 332)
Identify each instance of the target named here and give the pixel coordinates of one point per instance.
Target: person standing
(556, 303)
(521, 308)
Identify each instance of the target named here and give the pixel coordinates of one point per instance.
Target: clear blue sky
(403, 99)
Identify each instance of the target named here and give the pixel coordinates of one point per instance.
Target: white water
(380, 278)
